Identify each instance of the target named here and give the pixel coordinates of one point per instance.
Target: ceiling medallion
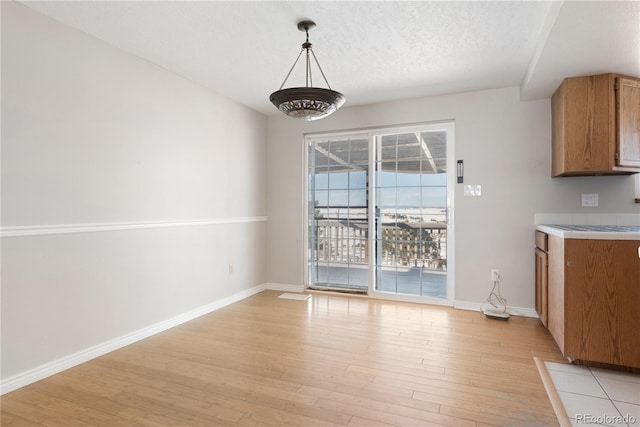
(308, 102)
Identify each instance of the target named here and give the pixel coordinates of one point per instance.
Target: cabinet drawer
(541, 240)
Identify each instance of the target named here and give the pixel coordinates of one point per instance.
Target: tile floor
(597, 397)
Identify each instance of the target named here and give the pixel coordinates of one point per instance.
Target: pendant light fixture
(308, 102)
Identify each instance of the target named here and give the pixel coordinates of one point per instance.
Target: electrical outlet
(495, 274)
(590, 200)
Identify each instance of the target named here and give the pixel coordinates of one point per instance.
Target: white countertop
(594, 232)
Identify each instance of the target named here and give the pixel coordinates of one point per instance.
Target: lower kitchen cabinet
(593, 306)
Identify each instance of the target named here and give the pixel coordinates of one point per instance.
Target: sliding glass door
(378, 216)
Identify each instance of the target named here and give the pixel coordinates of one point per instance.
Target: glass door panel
(338, 214)
(411, 223)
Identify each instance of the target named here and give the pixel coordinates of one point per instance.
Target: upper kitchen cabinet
(596, 126)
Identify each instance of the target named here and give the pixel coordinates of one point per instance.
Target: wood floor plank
(333, 360)
(363, 422)
(407, 408)
(11, 420)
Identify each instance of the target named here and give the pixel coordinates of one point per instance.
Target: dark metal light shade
(307, 103)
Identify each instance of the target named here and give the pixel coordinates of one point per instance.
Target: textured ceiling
(370, 51)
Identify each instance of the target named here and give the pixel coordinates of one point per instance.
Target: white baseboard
(477, 306)
(56, 366)
(284, 288)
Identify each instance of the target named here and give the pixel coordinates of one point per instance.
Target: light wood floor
(328, 361)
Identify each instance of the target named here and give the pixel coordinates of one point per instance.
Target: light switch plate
(473, 190)
(590, 200)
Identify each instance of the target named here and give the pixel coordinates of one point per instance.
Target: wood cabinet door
(602, 285)
(541, 285)
(628, 122)
(556, 291)
(582, 133)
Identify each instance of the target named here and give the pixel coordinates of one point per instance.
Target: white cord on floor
(495, 298)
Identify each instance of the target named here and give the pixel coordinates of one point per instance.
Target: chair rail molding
(42, 230)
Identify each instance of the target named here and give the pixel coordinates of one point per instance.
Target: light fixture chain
(308, 78)
(320, 68)
(294, 65)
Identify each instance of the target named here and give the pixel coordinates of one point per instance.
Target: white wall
(93, 135)
(506, 148)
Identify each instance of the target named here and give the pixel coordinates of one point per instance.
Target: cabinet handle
(569, 261)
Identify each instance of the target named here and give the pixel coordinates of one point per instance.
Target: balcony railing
(411, 255)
